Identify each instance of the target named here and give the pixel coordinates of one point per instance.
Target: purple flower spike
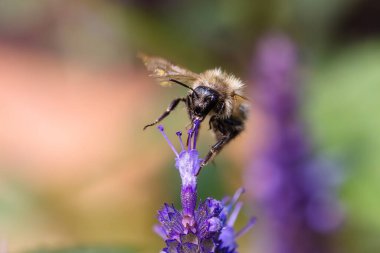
(285, 179)
(234, 214)
(209, 230)
(179, 134)
(228, 236)
(189, 137)
(206, 228)
(161, 128)
(246, 228)
(196, 131)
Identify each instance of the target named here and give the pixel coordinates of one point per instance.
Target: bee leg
(212, 119)
(215, 149)
(225, 130)
(170, 108)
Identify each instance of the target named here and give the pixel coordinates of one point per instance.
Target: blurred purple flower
(206, 228)
(295, 190)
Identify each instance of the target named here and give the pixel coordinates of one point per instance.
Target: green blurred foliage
(343, 114)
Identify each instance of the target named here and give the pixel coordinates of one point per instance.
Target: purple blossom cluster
(207, 227)
(296, 191)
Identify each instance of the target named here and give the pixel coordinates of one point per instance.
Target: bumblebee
(213, 92)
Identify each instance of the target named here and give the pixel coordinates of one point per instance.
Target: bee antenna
(184, 85)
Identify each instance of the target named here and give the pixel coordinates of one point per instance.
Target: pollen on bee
(159, 72)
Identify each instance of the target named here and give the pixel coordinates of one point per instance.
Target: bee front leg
(170, 108)
(215, 149)
(225, 130)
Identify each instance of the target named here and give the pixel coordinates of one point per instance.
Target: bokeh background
(77, 171)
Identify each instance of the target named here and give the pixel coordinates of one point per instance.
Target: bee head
(204, 99)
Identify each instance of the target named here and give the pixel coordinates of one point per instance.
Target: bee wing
(241, 98)
(163, 70)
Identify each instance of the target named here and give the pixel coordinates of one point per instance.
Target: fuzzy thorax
(227, 85)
